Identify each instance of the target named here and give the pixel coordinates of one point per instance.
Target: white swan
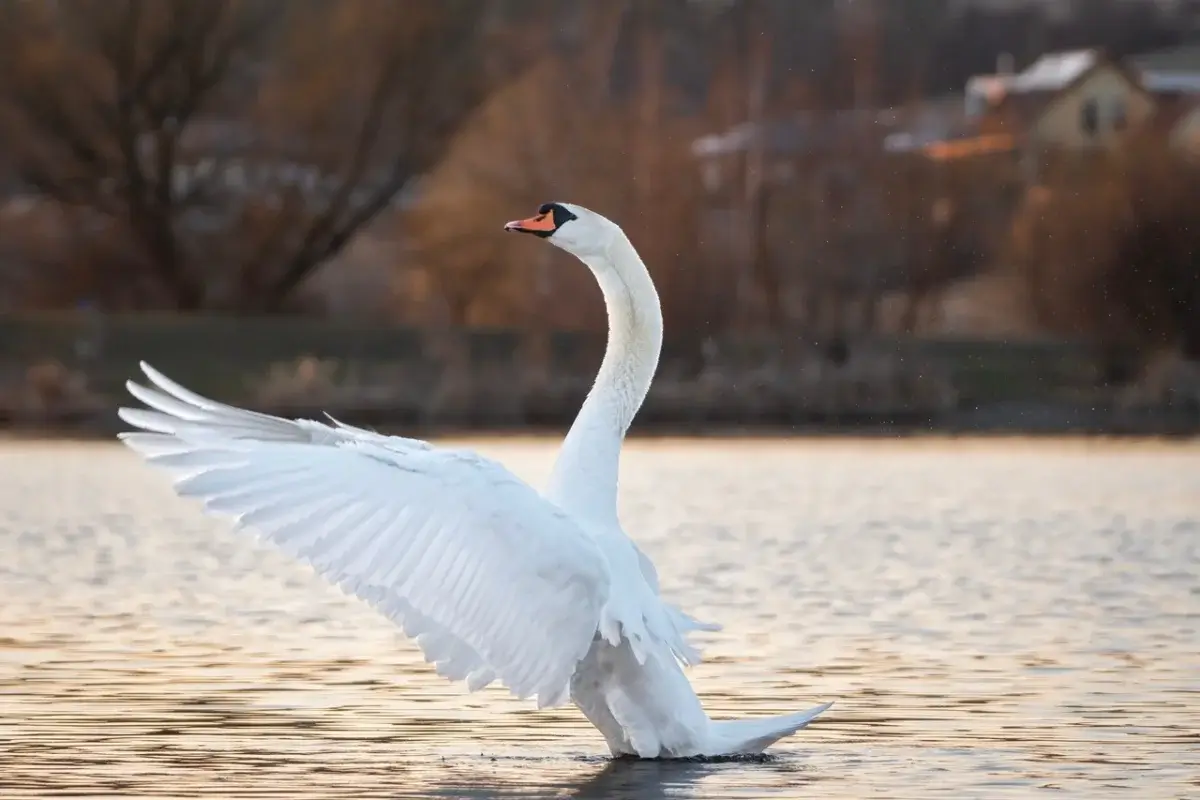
(542, 592)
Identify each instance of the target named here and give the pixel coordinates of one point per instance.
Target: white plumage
(493, 580)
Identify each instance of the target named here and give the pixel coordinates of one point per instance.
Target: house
(829, 145)
(820, 160)
(1075, 100)
(856, 202)
(1170, 72)
(1172, 77)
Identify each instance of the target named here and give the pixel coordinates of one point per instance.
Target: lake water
(993, 619)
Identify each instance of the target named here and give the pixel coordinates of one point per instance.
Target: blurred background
(928, 214)
(863, 216)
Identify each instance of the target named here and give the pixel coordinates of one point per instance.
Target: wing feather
(492, 581)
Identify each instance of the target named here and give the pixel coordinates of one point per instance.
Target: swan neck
(634, 335)
(585, 477)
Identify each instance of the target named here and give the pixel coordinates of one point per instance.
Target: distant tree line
(216, 154)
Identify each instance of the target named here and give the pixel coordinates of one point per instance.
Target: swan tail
(739, 737)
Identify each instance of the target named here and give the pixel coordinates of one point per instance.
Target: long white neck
(584, 480)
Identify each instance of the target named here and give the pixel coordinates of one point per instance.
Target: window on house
(1089, 117)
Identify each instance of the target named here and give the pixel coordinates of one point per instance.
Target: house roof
(967, 147)
(813, 131)
(1183, 58)
(805, 131)
(1175, 69)
(1028, 93)
(1160, 82)
(1052, 72)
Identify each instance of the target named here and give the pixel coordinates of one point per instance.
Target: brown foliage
(1113, 248)
(555, 133)
(234, 146)
(947, 218)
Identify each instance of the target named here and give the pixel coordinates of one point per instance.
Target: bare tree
(238, 145)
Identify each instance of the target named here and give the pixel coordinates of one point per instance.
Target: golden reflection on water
(993, 619)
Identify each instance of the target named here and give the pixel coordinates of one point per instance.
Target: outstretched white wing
(492, 580)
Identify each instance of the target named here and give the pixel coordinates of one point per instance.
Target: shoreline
(1181, 428)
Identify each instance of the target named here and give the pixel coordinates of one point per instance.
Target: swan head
(580, 232)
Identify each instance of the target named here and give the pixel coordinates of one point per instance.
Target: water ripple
(993, 620)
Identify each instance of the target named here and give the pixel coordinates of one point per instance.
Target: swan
(541, 592)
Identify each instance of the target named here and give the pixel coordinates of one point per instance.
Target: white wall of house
(1094, 112)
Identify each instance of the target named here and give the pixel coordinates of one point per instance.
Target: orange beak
(542, 223)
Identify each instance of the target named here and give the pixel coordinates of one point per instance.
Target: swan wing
(491, 579)
(665, 621)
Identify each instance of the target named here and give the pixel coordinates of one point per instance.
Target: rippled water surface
(993, 619)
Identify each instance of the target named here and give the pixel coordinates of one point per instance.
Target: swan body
(542, 592)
